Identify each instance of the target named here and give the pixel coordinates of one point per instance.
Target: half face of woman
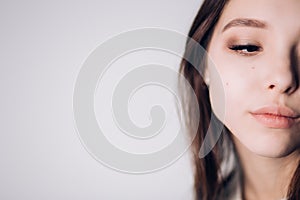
(255, 48)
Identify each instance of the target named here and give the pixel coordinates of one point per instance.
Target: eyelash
(250, 49)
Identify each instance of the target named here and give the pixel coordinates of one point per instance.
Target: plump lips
(276, 117)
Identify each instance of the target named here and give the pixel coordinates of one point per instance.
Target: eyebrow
(245, 22)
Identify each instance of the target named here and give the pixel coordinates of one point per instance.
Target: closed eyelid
(243, 42)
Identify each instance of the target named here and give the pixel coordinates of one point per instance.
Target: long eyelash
(250, 48)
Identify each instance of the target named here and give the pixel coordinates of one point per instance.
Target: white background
(43, 45)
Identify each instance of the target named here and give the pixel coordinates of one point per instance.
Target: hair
(207, 182)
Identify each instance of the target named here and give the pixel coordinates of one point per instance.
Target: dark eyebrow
(244, 22)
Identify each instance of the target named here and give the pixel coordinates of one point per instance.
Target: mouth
(276, 117)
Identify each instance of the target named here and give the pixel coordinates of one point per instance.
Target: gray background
(43, 45)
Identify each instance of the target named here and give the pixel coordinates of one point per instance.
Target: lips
(276, 117)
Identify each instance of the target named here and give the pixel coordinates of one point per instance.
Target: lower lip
(274, 121)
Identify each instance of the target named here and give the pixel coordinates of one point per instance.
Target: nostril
(271, 86)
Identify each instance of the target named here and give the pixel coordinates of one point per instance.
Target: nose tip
(285, 73)
(285, 82)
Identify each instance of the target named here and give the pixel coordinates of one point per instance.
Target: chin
(270, 145)
(271, 151)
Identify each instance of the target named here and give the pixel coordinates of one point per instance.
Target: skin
(251, 77)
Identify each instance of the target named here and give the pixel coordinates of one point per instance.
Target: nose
(284, 76)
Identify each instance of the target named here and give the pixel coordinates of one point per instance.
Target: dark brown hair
(208, 183)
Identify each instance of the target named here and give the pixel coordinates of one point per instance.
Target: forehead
(278, 14)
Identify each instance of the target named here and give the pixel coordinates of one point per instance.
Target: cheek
(231, 94)
(236, 107)
(226, 86)
(229, 100)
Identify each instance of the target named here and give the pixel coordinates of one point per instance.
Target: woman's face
(255, 48)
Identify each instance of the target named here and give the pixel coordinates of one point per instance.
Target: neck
(266, 178)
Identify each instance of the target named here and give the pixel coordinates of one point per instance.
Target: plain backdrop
(43, 45)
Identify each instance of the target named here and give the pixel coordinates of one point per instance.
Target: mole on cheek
(252, 67)
(227, 84)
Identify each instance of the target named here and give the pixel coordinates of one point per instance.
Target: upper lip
(277, 110)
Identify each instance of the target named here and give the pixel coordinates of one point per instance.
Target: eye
(246, 49)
